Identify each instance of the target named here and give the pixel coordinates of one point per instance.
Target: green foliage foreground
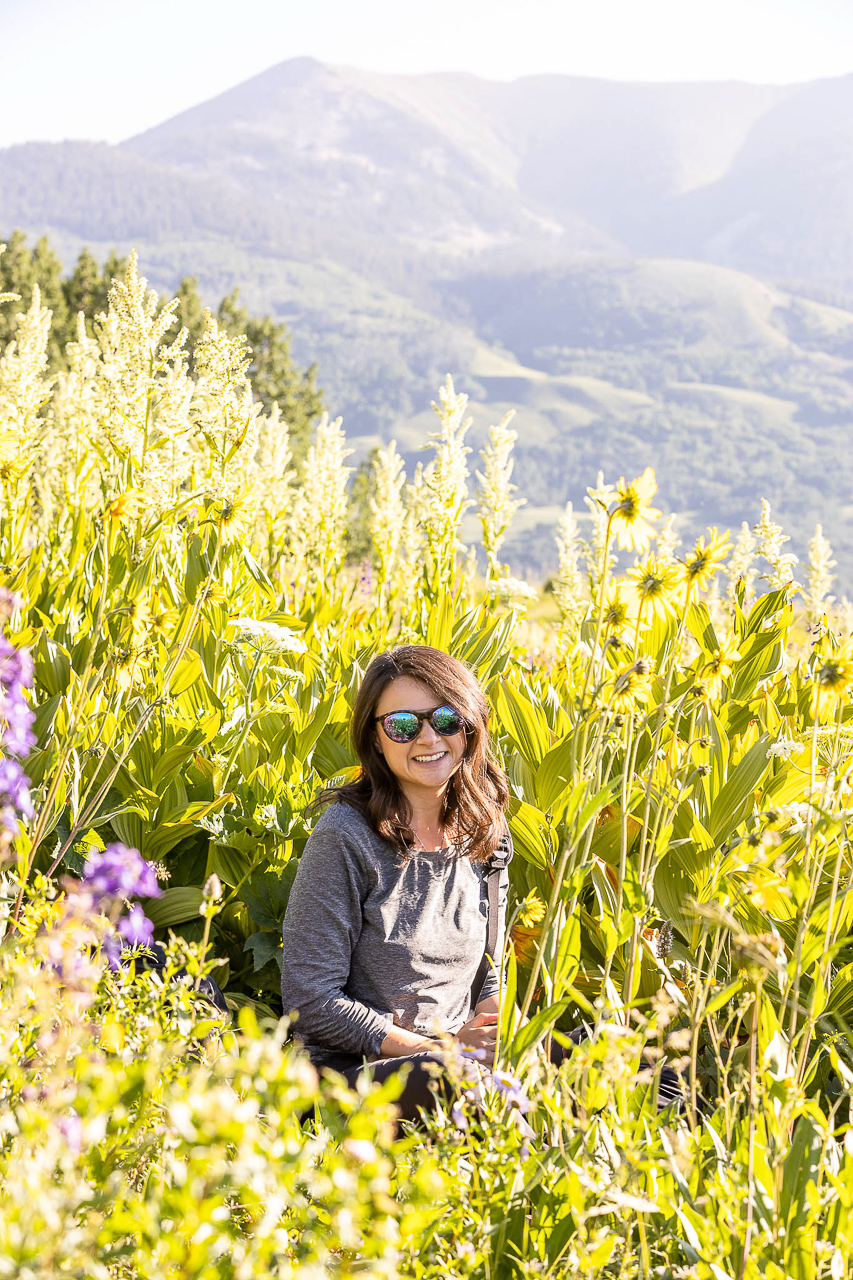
(680, 764)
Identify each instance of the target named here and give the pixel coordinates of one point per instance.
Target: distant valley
(648, 274)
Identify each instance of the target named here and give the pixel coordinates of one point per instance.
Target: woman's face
(428, 762)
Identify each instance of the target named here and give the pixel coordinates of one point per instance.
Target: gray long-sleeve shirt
(373, 940)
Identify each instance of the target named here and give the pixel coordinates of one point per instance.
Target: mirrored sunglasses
(404, 726)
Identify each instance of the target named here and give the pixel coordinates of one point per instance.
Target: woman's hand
(480, 1032)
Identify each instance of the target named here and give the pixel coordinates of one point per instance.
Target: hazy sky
(110, 68)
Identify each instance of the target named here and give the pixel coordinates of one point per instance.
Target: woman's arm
(322, 924)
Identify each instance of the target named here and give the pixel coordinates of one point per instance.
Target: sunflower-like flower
(234, 515)
(630, 517)
(630, 687)
(719, 667)
(832, 679)
(532, 910)
(654, 583)
(697, 569)
(620, 610)
(126, 507)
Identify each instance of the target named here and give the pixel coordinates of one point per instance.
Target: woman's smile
(431, 759)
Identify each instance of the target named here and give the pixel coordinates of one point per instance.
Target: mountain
(648, 273)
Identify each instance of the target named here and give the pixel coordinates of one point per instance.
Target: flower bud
(212, 890)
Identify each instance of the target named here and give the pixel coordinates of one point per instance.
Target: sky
(107, 69)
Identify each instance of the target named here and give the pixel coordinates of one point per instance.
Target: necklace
(442, 834)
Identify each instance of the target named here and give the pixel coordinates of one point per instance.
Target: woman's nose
(427, 736)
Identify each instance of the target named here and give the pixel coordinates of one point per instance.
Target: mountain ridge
(609, 259)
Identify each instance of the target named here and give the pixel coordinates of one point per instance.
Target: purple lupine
(16, 665)
(136, 929)
(15, 787)
(16, 722)
(120, 872)
(16, 726)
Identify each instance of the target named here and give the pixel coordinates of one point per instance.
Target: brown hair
(477, 793)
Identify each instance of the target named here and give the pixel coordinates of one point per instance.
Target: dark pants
(417, 1094)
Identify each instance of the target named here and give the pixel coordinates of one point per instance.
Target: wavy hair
(477, 792)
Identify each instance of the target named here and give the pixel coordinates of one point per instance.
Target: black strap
(500, 858)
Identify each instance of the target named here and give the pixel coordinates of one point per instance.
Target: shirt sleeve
(491, 986)
(322, 925)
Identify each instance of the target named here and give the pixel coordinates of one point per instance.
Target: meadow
(183, 637)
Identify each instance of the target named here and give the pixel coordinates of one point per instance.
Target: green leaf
(186, 673)
(529, 829)
(175, 907)
(701, 627)
(265, 893)
(536, 1029)
(260, 577)
(723, 997)
(265, 946)
(524, 721)
(508, 994)
(729, 807)
(567, 959)
(553, 776)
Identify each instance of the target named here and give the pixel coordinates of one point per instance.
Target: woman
(386, 927)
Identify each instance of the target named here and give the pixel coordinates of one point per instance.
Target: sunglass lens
(446, 721)
(401, 726)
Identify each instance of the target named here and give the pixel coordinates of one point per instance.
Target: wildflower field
(182, 641)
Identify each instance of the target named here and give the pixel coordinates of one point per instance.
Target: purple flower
(71, 1128)
(512, 1090)
(457, 1115)
(476, 1055)
(120, 872)
(111, 948)
(16, 665)
(136, 929)
(16, 722)
(14, 788)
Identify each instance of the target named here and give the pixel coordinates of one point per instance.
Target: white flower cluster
(512, 590)
(771, 540)
(796, 814)
(740, 565)
(599, 499)
(24, 388)
(267, 637)
(818, 576)
(320, 512)
(784, 749)
(570, 586)
(445, 479)
(497, 505)
(387, 508)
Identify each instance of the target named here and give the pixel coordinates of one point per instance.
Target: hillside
(642, 271)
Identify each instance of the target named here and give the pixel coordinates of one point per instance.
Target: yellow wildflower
(654, 583)
(699, 567)
(719, 666)
(234, 515)
(630, 687)
(532, 910)
(126, 507)
(832, 679)
(620, 611)
(630, 517)
(163, 618)
(129, 663)
(138, 611)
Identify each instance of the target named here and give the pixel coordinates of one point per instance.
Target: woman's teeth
(428, 759)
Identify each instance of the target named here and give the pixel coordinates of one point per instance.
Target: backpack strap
(499, 859)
